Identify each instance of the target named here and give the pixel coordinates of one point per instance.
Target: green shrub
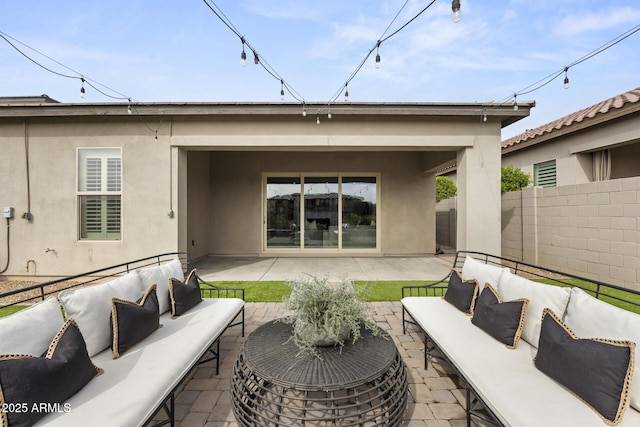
(513, 179)
(445, 188)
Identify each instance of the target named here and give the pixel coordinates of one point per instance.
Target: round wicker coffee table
(365, 384)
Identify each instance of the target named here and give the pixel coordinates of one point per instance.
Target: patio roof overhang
(503, 112)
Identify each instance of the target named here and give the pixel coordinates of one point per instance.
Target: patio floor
(436, 398)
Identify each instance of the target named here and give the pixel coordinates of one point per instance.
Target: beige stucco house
(96, 184)
(597, 143)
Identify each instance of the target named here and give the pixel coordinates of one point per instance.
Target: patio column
(479, 199)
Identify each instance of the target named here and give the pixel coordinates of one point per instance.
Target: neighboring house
(582, 213)
(96, 184)
(597, 143)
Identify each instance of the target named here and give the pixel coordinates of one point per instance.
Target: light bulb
(566, 78)
(129, 112)
(243, 58)
(378, 61)
(484, 117)
(304, 111)
(256, 59)
(346, 93)
(82, 88)
(317, 120)
(281, 90)
(329, 116)
(455, 7)
(515, 102)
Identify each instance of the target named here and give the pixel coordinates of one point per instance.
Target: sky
(180, 51)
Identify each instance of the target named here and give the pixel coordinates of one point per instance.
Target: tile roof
(604, 107)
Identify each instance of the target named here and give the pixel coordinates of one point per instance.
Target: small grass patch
(5, 311)
(276, 291)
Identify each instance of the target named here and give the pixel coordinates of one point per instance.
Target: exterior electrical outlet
(7, 213)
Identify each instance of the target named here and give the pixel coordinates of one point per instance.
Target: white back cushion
(31, 330)
(512, 286)
(483, 273)
(91, 308)
(589, 317)
(160, 275)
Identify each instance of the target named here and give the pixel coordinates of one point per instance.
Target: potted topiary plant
(326, 313)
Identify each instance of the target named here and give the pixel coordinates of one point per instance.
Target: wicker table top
(270, 356)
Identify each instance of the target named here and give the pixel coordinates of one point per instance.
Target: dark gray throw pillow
(184, 295)
(131, 322)
(502, 320)
(461, 294)
(27, 382)
(597, 370)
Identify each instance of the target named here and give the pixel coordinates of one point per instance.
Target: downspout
(27, 215)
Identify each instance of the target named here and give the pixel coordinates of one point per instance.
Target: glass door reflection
(321, 212)
(283, 212)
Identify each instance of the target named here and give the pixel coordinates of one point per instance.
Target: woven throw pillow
(502, 320)
(51, 379)
(131, 322)
(184, 295)
(598, 371)
(461, 294)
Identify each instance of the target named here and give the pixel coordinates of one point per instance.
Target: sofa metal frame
(39, 292)
(605, 291)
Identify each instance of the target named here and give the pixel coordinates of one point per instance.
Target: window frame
(103, 188)
(318, 250)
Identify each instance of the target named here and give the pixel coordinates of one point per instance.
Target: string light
(304, 110)
(515, 102)
(566, 78)
(346, 92)
(484, 115)
(256, 59)
(317, 119)
(281, 90)
(82, 87)
(455, 6)
(329, 116)
(129, 111)
(378, 55)
(243, 55)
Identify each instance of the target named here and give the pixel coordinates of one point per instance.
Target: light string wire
(553, 76)
(218, 12)
(260, 59)
(84, 79)
(382, 39)
(91, 82)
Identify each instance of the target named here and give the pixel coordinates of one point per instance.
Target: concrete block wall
(590, 229)
(446, 223)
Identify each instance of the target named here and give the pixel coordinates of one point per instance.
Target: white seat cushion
(506, 379)
(160, 275)
(481, 272)
(31, 330)
(540, 296)
(134, 385)
(589, 317)
(90, 307)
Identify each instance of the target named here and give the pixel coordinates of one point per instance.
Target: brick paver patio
(436, 397)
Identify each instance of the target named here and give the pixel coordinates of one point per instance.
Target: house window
(335, 212)
(545, 174)
(100, 193)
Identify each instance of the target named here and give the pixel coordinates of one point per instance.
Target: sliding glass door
(336, 212)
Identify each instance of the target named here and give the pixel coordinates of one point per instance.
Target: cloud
(574, 25)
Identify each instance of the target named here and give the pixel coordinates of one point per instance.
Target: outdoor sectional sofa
(130, 336)
(534, 347)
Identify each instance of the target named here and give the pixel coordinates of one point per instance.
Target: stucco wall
(591, 229)
(52, 147)
(407, 195)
